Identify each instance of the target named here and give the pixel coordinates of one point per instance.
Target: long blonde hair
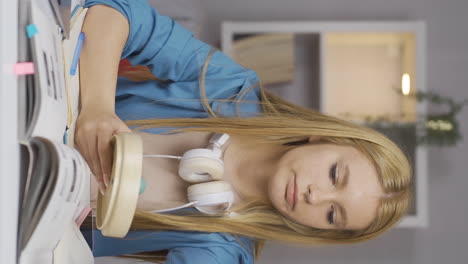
(282, 123)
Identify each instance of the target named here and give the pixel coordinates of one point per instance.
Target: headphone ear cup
(211, 197)
(200, 165)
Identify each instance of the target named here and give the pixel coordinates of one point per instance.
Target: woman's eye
(333, 173)
(331, 215)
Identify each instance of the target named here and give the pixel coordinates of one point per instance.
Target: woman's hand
(93, 134)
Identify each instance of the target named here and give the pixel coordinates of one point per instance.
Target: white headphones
(115, 209)
(202, 165)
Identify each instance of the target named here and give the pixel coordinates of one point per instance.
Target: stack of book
(54, 177)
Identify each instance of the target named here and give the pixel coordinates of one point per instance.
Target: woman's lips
(295, 192)
(291, 191)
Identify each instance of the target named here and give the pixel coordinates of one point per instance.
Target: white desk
(9, 146)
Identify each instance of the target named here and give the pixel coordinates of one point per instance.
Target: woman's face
(341, 183)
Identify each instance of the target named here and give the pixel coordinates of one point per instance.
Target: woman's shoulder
(205, 247)
(219, 246)
(214, 248)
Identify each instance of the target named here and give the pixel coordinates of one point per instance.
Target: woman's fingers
(93, 156)
(105, 151)
(94, 131)
(82, 147)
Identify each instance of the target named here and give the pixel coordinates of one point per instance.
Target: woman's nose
(316, 196)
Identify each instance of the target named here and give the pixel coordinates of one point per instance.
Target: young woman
(299, 176)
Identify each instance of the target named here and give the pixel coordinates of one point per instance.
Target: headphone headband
(217, 140)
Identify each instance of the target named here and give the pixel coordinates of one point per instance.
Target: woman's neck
(246, 168)
(175, 144)
(249, 168)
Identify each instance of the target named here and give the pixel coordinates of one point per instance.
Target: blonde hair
(282, 123)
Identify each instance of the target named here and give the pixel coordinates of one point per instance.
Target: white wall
(350, 84)
(446, 239)
(188, 13)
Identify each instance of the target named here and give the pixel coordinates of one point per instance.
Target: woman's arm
(106, 31)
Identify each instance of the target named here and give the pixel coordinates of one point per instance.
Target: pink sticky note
(24, 68)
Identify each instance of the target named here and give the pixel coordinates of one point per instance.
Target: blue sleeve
(198, 247)
(213, 255)
(167, 48)
(172, 53)
(154, 40)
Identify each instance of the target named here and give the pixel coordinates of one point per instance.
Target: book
(56, 192)
(45, 101)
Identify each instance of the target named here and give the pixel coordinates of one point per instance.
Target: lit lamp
(405, 100)
(405, 84)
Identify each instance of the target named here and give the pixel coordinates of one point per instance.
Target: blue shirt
(175, 56)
